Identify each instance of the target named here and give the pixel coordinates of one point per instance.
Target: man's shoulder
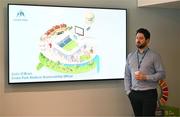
(132, 53)
(154, 52)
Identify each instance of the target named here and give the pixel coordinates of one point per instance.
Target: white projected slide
(55, 43)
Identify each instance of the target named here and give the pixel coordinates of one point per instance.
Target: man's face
(141, 42)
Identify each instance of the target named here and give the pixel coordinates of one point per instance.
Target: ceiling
(175, 5)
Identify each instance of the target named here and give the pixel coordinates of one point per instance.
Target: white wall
(92, 98)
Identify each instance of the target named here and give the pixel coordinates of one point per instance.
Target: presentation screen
(62, 43)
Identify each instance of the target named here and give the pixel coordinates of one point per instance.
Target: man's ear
(148, 40)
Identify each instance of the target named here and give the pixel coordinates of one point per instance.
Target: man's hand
(140, 76)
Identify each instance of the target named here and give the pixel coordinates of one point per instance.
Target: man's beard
(140, 46)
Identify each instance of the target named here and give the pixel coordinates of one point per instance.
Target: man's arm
(159, 70)
(127, 78)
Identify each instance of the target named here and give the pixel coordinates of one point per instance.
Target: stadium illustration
(67, 49)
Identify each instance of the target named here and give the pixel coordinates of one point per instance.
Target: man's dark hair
(145, 32)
